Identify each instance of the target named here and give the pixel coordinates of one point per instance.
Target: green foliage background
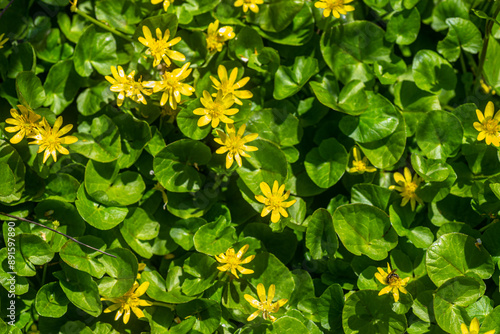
(400, 79)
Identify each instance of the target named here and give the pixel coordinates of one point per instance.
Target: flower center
(491, 126)
(410, 189)
(360, 165)
(335, 3)
(274, 202)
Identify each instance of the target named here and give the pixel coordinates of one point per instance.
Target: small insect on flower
(159, 48)
(360, 165)
(126, 86)
(166, 3)
(392, 280)
(274, 201)
(478, 243)
(235, 144)
(217, 37)
(25, 123)
(230, 86)
(265, 305)
(335, 7)
(232, 262)
(215, 111)
(488, 126)
(249, 4)
(408, 187)
(129, 301)
(50, 139)
(474, 328)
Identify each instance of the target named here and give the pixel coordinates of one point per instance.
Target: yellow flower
(234, 144)
(215, 111)
(49, 139)
(233, 261)
(166, 3)
(474, 328)
(129, 301)
(336, 7)
(274, 201)
(33, 330)
(360, 165)
(252, 4)
(266, 305)
(160, 48)
(488, 126)
(24, 122)
(393, 282)
(3, 41)
(217, 37)
(126, 86)
(407, 187)
(230, 86)
(172, 86)
(140, 268)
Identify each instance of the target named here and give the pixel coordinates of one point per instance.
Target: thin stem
(489, 26)
(102, 25)
(51, 229)
(44, 274)
(170, 306)
(6, 7)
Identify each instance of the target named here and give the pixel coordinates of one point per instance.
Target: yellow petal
(489, 110)
(261, 292)
(474, 325)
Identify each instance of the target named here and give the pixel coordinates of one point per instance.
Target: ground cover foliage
(275, 166)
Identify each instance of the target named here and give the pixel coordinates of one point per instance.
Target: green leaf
(326, 309)
(326, 164)
(29, 89)
(184, 230)
(432, 73)
(122, 271)
(277, 15)
(61, 187)
(9, 156)
(275, 125)
(135, 135)
(492, 64)
(326, 91)
(321, 239)
(61, 86)
(206, 312)
(93, 99)
(51, 301)
(52, 48)
(366, 312)
(23, 58)
(100, 141)
(492, 320)
(447, 9)
(463, 35)
(105, 185)
(265, 165)
(371, 194)
(403, 27)
(188, 122)
(100, 216)
(430, 170)
(379, 121)
(7, 180)
(34, 249)
(80, 289)
(451, 299)
(214, 238)
(157, 289)
(455, 254)
(202, 270)
(286, 325)
(439, 134)
(83, 258)
(364, 229)
(348, 49)
(289, 80)
(137, 229)
(95, 50)
(386, 152)
(121, 14)
(172, 165)
(247, 42)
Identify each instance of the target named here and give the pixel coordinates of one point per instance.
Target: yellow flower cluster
(274, 201)
(166, 3)
(50, 139)
(249, 4)
(334, 7)
(474, 328)
(408, 186)
(394, 283)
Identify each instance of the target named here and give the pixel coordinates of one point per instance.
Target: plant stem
(44, 274)
(170, 306)
(487, 33)
(102, 25)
